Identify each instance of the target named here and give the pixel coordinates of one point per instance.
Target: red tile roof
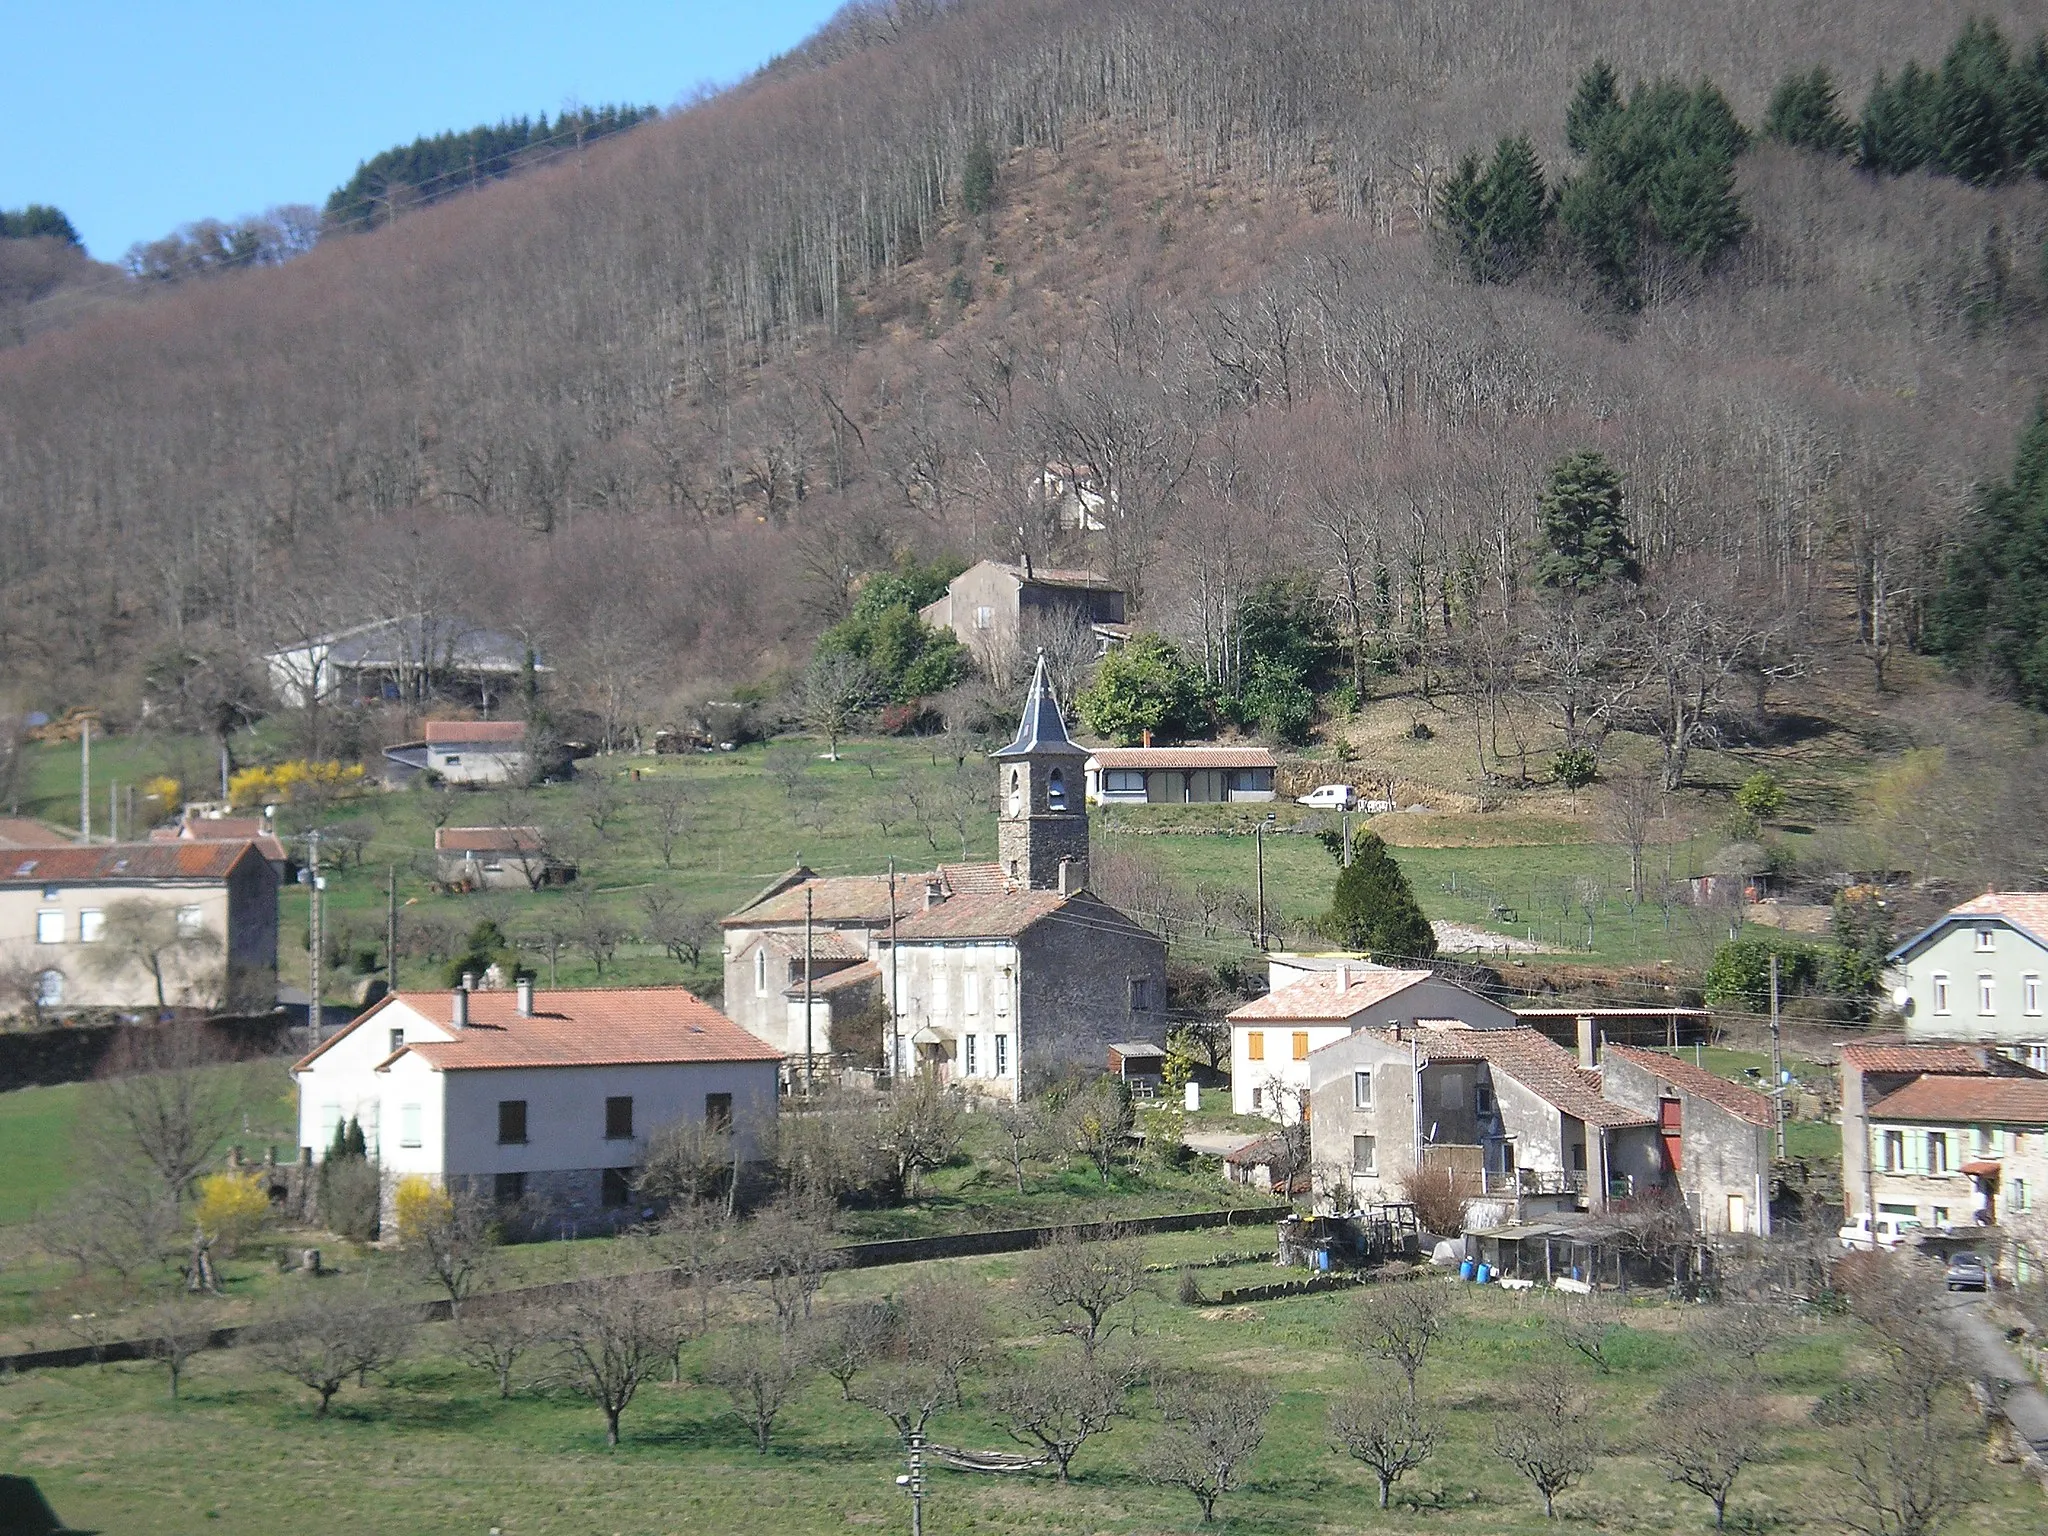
(582, 1027)
(122, 863)
(974, 879)
(835, 981)
(21, 832)
(1743, 1102)
(1059, 576)
(232, 829)
(981, 917)
(2024, 909)
(1319, 997)
(1535, 1061)
(1181, 757)
(826, 944)
(1975, 1100)
(489, 840)
(495, 732)
(1901, 1056)
(834, 899)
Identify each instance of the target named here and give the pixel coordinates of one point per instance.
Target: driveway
(1218, 1143)
(1983, 1344)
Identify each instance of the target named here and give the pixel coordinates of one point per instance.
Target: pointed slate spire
(1041, 732)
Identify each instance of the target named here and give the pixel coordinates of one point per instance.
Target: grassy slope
(439, 1453)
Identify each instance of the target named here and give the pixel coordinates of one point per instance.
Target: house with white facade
(1272, 1037)
(540, 1099)
(1977, 974)
(463, 752)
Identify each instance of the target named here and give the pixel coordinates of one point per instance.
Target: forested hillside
(663, 405)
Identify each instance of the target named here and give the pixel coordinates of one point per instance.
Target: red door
(1671, 1121)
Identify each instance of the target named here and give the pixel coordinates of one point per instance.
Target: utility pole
(895, 991)
(1259, 837)
(391, 928)
(914, 1483)
(315, 934)
(807, 991)
(114, 813)
(85, 779)
(1777, 1062)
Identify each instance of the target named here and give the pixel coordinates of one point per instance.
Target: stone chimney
(1589, 1050)
(459, 1015)
(526, 997)
(1343, 978)
(1066, 885)
(469, 981)
(934, 895)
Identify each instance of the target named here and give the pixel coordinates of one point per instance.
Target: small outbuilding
(1140, 1064)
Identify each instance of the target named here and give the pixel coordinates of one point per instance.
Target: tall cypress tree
(1374, 908)
(1585, 540)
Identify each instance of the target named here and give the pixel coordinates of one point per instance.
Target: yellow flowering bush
(419, 1206)
(163, 792)
(291, 780)
(232, 1208)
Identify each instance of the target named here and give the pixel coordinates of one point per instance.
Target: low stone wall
(76, 1053)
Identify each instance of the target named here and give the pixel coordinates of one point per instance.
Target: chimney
(460, 1016)
(1145, 739)
(934, 895)
(1066, 877)
(469, 981)
(526, 997)
(1589, 1053)
(1343, 978)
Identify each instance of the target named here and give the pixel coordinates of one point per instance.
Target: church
(991, 977)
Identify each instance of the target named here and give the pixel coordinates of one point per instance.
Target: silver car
(1966, 1272)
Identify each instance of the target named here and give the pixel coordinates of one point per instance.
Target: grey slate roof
(1041, 732)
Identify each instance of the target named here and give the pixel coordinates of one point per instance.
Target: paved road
(1984, 1345)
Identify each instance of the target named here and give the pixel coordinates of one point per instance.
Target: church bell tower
(1041, 797)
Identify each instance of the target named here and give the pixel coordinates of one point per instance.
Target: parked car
(1886, 1232)
(1330, 797)
(1966, 1272)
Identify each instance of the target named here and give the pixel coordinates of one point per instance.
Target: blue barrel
(1322, 1258)
(1467, 1269)
(1485, 1274)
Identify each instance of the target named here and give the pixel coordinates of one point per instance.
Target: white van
(1330, 797)
(1866, 1235)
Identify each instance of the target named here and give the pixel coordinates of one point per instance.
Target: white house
(1271, 1037)
(545, 1098)
(463, 752)
(1976, 975)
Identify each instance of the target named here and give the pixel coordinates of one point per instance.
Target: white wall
(1953, 953)
(933, 981)
(341, 1081)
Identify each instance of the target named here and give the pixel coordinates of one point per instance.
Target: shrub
(1575, 768)
(418, 1206)
(1740, 976)
(231, 1208)
(1761, 795)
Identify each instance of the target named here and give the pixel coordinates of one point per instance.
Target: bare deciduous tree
(331, 1332)
(163, 942)
(498, 1333)
(1097, 1123)
(919, 1131)
(1214, 1426)
(1400, 1323)
(1547, 1435)
(1075, 1286)
(672, 810)
(1705, 1430)
(785, 1254)
(175, 1330)
(757, 1371)
(1389, 1432)
(845, 1340)
(614, 1334)
(1058, 1404)
(454, 1243)
(1024, 1129)
(837, 691)
(166, 1102)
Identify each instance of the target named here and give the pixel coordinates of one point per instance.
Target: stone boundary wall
(42, 1058)
(904, 1250)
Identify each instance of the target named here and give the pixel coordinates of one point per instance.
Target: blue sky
(136, 118)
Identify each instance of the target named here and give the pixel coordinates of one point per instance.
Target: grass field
(434, 1451)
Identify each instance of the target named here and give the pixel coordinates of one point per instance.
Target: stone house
(539, 1099)
(993, 608)
(1871, 1071)
(220, 949)
(1272, 1038)
(1977, 974)
(498, 859)
(1509, 1110)
(1949, 1150)
(1717, 1137)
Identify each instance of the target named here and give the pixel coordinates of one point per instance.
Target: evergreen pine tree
(1461, 218)
(1710, 126)
(1585, 541)
(1599, 220)
(1516, 205)
(1697, 209)
(1593, 107)
(978, 177)
(1970, 104)
(2026, 110)
(1989, 617)
(1896, 134)
(1374, 909)
(1805, 113)
(337, 1150)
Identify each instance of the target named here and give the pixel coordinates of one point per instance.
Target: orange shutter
(1255, 1045)
(1301, 1045)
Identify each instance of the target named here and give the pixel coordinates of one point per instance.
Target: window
(2019, 1194)
(1257, 1095)
(1141, 993)
(397, 1040)
(1255, 1047)
(761, 971)
(618, 1118)
(1482, 1099)
(92, 926)
(1301, 1045)
(191, 922)
(1002, 1055)
(330, 1122)
(1361, 1090)
(1987, 994)
(1363, 1155)
(49, 927)
(1056, 791)
(1016, 793)
(1937, 1151)
(969, 1055)
(1123, 781)
(970, 992)
(617, 1188)
(509, 1188)
(408, 1125)
(50, 989)
(1940, 992)
(1002, 992)
(1987, 940)
(2030, 995)
(1941, 1215)
(1894, 1151)
(717, 1111)
(511, 1122)
(984, 617)
(452, 760)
